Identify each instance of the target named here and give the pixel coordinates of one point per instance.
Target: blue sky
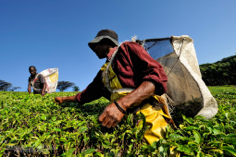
(55, 33)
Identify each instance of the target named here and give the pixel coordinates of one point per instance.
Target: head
(104, 40)
(32, 70)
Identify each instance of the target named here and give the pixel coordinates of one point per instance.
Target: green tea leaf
(200, 154)
(54, 118)
(185, 149)
(176, 137)
(229, 150)
(43, 117)
(190, 128)
(216, 150)
(197, 136)
(69, 152)
(88, 151)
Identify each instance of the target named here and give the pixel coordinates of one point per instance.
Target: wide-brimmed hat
(104, 34)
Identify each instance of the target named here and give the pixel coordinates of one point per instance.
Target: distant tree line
(6, 86)
(62, 86)
(220, 73)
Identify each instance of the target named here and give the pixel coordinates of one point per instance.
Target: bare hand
(58, 100)
(111, 116)
(43, 93)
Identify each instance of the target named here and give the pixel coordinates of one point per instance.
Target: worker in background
(36, 81)
(131, 79)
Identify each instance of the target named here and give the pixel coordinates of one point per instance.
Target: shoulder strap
(32, 82)
(105, 73)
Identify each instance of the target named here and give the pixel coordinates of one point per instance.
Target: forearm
(111, 115)
(144, 91)
(69, 99)
(29, 89)
(44, 87)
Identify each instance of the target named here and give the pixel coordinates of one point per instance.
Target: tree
(4, 86)
(14, 88)
(63, 85)
(220, 73)
(76, 88)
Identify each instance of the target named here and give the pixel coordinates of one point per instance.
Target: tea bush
(32, 125)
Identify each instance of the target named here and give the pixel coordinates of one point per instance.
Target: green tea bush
(32, 125)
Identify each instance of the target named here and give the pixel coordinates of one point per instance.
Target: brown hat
(104, 34)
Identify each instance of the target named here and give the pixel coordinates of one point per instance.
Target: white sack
(185, 86)
(51, 78)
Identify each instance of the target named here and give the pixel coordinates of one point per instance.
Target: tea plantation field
(32, 125)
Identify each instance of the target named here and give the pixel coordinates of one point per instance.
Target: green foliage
(76, 88)
(200, 137)
(220, 73)
(32, 124)
(63, 85)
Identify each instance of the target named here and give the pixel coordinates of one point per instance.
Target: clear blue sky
(55, 33)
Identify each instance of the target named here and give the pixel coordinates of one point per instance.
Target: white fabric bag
(185, 86)
(51, 78)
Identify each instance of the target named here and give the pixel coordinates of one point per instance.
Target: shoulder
(40, 76)
(131, 44)
(133, 48)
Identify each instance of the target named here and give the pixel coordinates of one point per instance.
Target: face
(32, 71)
(101, 50)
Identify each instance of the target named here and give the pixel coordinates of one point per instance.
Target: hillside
(32, 125)
(222, 72)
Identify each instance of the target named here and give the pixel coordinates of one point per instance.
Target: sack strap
(32, 83)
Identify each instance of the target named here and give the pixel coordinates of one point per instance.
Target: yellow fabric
(113, 79)
(117, 96)
(156, 122)
(154, 117)
(174, 153)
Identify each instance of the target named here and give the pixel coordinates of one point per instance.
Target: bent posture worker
(36, 81)
(129, 79)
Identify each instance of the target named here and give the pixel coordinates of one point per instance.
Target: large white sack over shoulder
(184, 77)
(51, 77)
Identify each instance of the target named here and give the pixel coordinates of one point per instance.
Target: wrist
(123, 104)
(120, 108)
(63, 99)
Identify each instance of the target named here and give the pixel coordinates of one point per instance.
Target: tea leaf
(197, 136)
(229, 150)
(216, 150)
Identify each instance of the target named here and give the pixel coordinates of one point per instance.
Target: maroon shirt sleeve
(145, 67)
(94, 91)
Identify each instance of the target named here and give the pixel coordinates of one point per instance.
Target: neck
(110, 48)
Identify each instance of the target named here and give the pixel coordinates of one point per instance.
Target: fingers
(102, 116)
(115, 123)
(109, 122)
(57, 100)
(111, 116)
(112, 123)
